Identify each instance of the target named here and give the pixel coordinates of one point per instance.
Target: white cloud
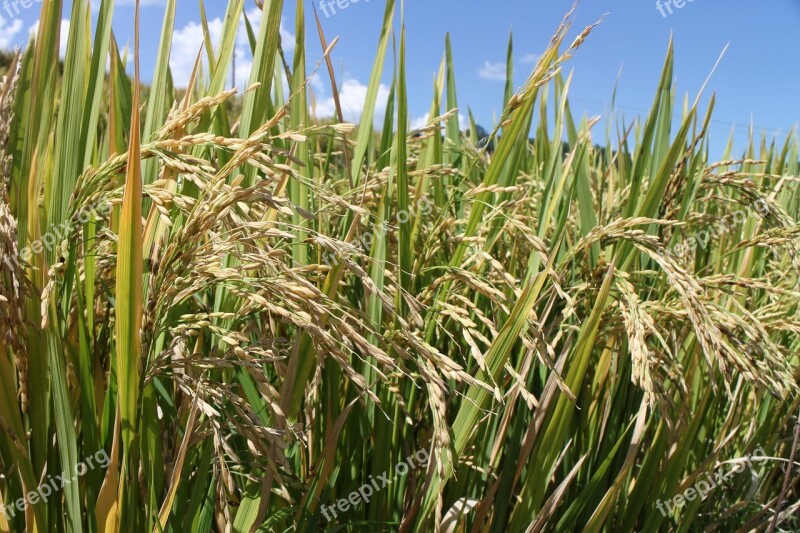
(64, 34)
(254, 16)
(317, 85)
(186, 43)
(420, 122)
(244, 66)
(352, 95)
(7, 31)
(288, 40)
(493, 71)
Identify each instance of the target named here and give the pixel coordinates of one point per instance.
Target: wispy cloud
(352, 95)
(8, 30)
(64, 34)
(493, 71)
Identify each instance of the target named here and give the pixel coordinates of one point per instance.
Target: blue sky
(756, 83)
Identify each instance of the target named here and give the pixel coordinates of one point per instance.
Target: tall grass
(252, 315)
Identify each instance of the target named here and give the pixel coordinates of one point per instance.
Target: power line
(678, 116)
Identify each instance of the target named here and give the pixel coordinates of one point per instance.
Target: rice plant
(221, 312)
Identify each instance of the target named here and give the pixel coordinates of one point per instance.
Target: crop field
(220, 312)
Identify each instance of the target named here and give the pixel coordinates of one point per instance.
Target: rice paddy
(220, 312)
